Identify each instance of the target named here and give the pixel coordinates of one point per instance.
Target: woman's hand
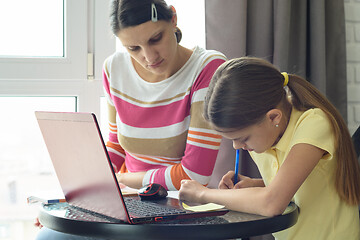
(114, 167)
(37, 223)
(133, 180)
(191, 191)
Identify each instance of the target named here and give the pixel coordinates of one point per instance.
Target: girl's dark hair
(129, 13)
(243, 90)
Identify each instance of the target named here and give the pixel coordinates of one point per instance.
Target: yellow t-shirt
(323, 216)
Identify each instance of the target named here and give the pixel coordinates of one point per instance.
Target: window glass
(31, 28)
(25, 165)
(191, 21)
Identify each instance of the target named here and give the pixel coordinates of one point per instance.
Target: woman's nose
(150, 55)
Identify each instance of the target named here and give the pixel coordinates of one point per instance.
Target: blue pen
(236, 167)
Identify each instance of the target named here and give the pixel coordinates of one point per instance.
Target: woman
(155, 93)
(299, 142)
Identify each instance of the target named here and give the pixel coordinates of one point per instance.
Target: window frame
(68, 75)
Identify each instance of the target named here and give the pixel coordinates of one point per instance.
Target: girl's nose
(238, 145)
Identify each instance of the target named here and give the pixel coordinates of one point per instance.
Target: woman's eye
(133, 48)
(156, 38)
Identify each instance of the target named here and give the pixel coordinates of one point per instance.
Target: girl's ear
(274, 116)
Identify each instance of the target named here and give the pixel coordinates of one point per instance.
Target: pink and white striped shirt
(158, 127)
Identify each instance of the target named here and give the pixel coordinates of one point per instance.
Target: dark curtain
(304, 37)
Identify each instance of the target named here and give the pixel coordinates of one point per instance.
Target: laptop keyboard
(85, 215)
(75, 213)
(142, 208)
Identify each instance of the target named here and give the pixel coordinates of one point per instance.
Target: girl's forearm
(252, 200)
(258, 182)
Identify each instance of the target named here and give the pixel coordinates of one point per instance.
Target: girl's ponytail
(347, 174)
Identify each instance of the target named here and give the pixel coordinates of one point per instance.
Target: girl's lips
(247, 149)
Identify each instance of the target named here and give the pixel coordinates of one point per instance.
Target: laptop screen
(81, 163)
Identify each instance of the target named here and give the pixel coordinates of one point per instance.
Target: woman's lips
(155, 65)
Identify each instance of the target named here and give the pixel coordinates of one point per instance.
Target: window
(54, 77)
(40, 35)
(57, 78)
(191, 21)
(24, 165)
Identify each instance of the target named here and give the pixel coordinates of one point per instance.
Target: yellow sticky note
(202, 208)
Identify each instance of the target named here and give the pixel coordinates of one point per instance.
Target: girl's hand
(227, 181)
(245, 182)
(191, 191)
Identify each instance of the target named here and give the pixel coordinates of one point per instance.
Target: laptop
(86, 175)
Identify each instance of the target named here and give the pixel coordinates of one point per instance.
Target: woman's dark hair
(129, 13)
(243, 90)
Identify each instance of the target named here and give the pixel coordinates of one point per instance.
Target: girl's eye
(245, 140)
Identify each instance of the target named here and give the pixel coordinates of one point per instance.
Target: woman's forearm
(133, 180)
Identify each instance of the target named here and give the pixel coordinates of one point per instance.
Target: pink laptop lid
(81, 162)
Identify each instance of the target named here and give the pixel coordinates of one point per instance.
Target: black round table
(64, 218)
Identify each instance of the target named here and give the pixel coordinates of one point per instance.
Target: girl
(299, 142)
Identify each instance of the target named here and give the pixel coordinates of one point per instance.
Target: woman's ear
(274, 115)
(174, 17)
